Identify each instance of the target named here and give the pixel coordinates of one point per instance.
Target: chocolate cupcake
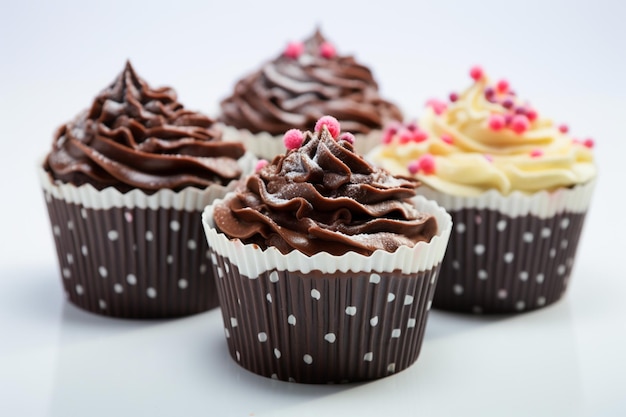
(325, 265)
(517, 186)
(306, 81)
(125, 184)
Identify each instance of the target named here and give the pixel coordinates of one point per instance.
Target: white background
(567, 57)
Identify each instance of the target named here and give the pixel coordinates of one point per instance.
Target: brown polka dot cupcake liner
(326, 319)
(132, 255)
(510, 254)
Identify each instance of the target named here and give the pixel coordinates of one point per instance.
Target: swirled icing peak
(306, 81)
(134, 136)
(486, 138)
(322, 196)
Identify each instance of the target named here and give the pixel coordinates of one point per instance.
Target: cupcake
(517, 185)
(304, 82)
(125, 185)
(325, 265)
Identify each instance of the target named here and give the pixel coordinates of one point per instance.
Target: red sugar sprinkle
(453, 97)
(447, 138)
(393, 128)
(476, 72)
(261, 163)
(293, 139)
(535, 153)
(531, 114)
(412, 126)
(294, 50)
(347, 136)
(507, 103)
(331, 124)
(520, 124)
(502, 86)
(496, 121)
(405, 136)
(388, 136)
(327, 50)
(489, 93)
(426, 163)
(564, 128)
(589, 143)
(520, 110)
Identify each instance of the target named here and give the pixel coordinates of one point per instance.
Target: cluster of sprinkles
(294, 138)
(510, 115)
(294, 50)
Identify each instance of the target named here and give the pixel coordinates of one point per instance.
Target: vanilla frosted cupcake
(306, 81)
(517, 186)
(125, 184)
(325, 265)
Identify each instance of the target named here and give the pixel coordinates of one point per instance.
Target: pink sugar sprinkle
(347, 136)
(564, 128)
(476, 72)
(447, 138)
(405, 136)
(413, 167)
(426, 163)
(293, 139)
(589, 143)
(438, 106)
(331, 124)
(387, 136)
(261, 163)
(420, 136)
(535, 153)
(412, 126)
(502, 86)
(519, 124)
(531, 114)
(327, 50)
(453, 97)
(294, 50)
(488, 157)
(496, 121)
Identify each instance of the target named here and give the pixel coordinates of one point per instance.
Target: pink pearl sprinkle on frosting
(293, 139)
(261, 163)
(420, 136)
(536, 153)
(447, 139)
(387, 136)
(476, 72)
(413, 167)
(405, 136)
(327, 50)
(331, 124)
(531, 114)
(589, 143)
(519, 124)
(453, 97)
(347, 136)
(496, 121)
(502, 86)
(563, 129)
(426, 163)
(438, 106)
(294, 50)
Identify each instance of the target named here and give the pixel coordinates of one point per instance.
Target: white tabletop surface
(56, 360)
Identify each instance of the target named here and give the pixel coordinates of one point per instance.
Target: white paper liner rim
(543, 204)
(267, 146)
(188, 199)
(252, 261)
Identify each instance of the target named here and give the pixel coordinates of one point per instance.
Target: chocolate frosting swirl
(134, 136)
(324, 197)
(294, 92)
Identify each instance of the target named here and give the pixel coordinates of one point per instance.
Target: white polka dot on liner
(523, 276)
(540, 278)
(564, 244)
(277, 353)
(202, 268)
(268, 297)
(84, 250)
(546, 232)
(118, 288)
(330, 337)
(233, 322)
(390, 297)
(457, 289)
(479, 249)
(368, 357)
(374, 321)
(482, 274)
(408, 300)
(56, 230)
(113, 235)
(79, 289)
(238, 355)
(501, 225)
(565, 223)
(315, 294)
(274, 276)
(175, 225)
(182, 283)
(67, 273)
(169, 259)
(151, 292)
(291, 319)
(541, 301)
(149, 236)
(395, 333)
(103, 271)
(528, 237)
(552, 253)
(502, 294)
(520, 305)
(508, 257)
(374, 278)
(391, 367)
(429, 305)
(274, 376)
(226, 333)
(83, 213)
(351, 310)
(308, 359)
(460, 228)
(191, 244)
(560, 269)
(128, 216)
(411, 323)
(70, 258)
(262, 336)
(456, 264)
(70, 225)
(102, 304)
(131, 279)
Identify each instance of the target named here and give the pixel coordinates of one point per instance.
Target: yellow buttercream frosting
(472, 154)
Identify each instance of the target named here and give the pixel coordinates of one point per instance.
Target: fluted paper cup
(325, 318)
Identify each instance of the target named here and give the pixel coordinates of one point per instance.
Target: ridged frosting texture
(323, 197)
(301, 85)
(486, 138)
(137, 137)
